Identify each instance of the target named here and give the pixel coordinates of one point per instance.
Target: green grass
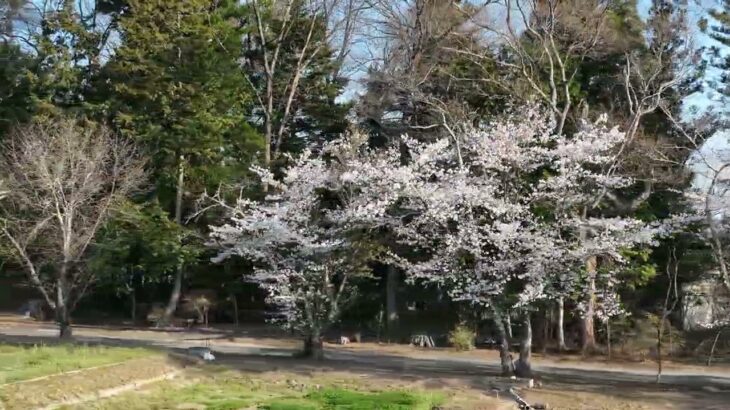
(231, 393)
(212, 388)
(354, 400)
(27, 362)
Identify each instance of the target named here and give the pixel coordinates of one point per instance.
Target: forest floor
(567, 382)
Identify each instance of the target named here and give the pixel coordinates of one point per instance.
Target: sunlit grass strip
(224, 395)
(19, 363)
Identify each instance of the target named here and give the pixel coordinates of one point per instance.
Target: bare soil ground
(568, 382)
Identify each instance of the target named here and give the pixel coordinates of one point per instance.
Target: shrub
(462, 338)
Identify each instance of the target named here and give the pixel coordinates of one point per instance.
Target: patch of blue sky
(367, 48)
(707, 100)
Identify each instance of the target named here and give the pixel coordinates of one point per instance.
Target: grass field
(27, 362)
(210, 388)
(232, 390)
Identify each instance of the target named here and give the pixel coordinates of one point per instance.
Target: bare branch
(63, 179)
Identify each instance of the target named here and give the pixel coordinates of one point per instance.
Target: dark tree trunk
(659, 334)
(608, 337)
(166, 318)
(133, 301)
(63, 316)
(313, 347)
(234, 299)
(540, 332)
(64, 322)
(504, 355)
(65, 331)
(545, 331)
(523, 367)
(391, 287)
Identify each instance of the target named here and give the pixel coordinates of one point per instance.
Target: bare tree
(413, 47)
(545, 43)
(274, 33)
(63, 179)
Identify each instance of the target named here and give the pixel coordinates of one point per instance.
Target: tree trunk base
(505, 358)
(313, 348)
(391, 306)
(523, 369)
(588, 337)
(65, 331)
(589, 349)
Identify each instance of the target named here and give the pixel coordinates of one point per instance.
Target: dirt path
(588, 385)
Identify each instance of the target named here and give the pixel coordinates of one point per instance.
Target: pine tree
(176, 87)
(16, 105)
(720, 31)
(56, 50)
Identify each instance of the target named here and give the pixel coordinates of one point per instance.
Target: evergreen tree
(52, 53)
(137, 249)
(16, 105)
(720, 31)
(176, 87)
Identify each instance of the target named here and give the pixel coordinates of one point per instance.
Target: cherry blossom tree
(488, 212)
(311, 236)
(495, 209)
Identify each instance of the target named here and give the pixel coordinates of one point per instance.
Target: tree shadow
(689, 391)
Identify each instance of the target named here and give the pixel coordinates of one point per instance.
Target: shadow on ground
(677, 391)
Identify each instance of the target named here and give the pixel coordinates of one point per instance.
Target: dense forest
(504, 171)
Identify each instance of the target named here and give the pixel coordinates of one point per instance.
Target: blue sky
(716, 150)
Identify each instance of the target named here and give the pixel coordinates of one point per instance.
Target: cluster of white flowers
(497, 205)
(506, 208)
(301, 236)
